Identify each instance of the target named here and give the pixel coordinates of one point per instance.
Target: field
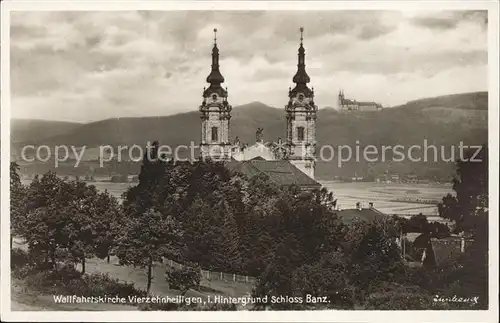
(384, 195)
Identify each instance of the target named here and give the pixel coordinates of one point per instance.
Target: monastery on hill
(353, 105)
(291, 161)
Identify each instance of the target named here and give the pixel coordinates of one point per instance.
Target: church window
(215, 134)
(300, 133)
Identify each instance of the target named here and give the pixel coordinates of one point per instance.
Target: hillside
(28, 129)
(441, 121)
(178, 129)
(465, 101)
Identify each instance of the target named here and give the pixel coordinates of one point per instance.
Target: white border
(283, 316)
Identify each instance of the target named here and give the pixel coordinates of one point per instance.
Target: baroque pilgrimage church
(287, 162)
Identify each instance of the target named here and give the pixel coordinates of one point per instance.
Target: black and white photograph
(295, 161)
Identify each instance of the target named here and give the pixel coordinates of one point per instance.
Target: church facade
(296, 152)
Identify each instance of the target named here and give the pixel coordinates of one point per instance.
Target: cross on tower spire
(215, 36)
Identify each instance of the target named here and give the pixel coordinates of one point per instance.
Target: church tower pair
(300, 116)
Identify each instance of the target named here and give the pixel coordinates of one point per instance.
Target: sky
(89, 66)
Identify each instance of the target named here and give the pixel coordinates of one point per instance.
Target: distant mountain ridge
(444, 120)
(27, 129)
(467, 101)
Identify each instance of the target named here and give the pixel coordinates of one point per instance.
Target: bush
(49, 280)
(67, 280)
(391, 297)
(102, 284)
(219, 307)
(24, 263)
(184, 279)
(419, 276)
(40, 281)
(98, 284)
(18, 259)
(21, 272)
(184, 307)
(158, 307)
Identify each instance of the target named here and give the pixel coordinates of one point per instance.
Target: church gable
(257, 150)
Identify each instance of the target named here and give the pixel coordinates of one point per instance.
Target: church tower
(215, 114)
(341, 99)
(301, 119)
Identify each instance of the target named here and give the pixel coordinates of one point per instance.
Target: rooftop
(369, 215)
(281, 172)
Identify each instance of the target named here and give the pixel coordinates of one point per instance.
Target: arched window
(215, 134)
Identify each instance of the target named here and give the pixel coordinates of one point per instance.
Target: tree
(326, 198)
(228, 243)
(80, 230)
(469, 207)
(276, 280)
(417, 223)
(107, 224)
(17, 203)
(148, 238)
(150, 229)
(68, 220)
(376, 257)
(327, 277)
(469, 210)
(47, 204)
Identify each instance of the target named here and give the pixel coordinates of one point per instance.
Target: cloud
(451, 19)
(86, 66)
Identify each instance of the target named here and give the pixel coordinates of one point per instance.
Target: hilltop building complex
(353, 105)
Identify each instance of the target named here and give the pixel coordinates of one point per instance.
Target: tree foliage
(468, 208)
(469, 211)
(65, 219)
(292, 240)
(184, 279)
(17, 202)
(328, 277)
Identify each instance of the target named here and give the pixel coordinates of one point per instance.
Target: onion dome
(215, 77)
(301, 78)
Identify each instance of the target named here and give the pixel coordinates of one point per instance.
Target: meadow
(390, 198)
